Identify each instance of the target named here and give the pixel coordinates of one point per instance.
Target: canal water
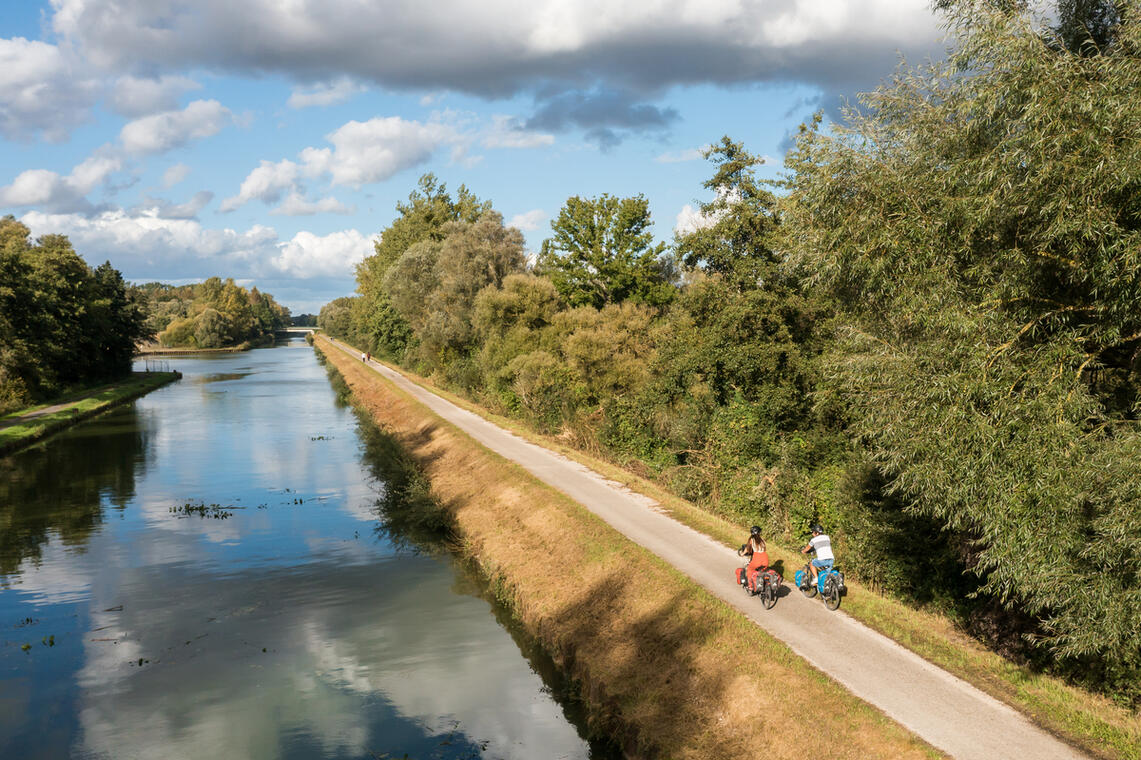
(208, 572)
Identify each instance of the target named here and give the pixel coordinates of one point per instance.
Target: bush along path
(943, 710)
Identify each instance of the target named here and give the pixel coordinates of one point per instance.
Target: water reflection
(330, 658)
(61, 488)
(287, 628)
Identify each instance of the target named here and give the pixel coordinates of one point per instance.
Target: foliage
(210, 314)
(979, 223)
(601, 253)
(433, 286)
(63, 323)
(930, 342)
(422, 219)
(336, 318)
(735, 237)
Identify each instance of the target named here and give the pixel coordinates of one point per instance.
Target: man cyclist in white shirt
(823, 546)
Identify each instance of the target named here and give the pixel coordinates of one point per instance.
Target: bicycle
(829, 584)
(764, 584)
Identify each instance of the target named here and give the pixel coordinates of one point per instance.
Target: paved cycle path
(941, 708)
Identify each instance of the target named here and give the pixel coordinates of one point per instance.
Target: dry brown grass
(664, 666)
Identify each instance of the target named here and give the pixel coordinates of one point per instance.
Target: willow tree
(430, 208)
(433, 286)
(979, 222)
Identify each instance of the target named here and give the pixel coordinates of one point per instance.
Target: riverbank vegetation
(661, 663)
(29, 425)
(63, 324)
(212, 314)
(926, 336)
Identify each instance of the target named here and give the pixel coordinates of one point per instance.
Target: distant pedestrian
(368, 356)
(364, 358)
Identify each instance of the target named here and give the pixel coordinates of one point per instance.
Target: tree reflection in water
(61, 486)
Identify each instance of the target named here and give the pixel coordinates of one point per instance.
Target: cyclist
(755, 550)
(822, 544)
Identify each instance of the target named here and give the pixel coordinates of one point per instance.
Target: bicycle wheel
(831, 593)
(768, 594)
(809, 588)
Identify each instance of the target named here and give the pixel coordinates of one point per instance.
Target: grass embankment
(1089, 721)
(665, 668)
(26, 426)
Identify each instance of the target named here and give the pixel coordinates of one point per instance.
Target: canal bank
(25, 428)
(666, 668)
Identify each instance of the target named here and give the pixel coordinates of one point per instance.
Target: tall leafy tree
(979, 223)
(115, 321)
(421, 220)
(1084, 27)
(735, 237)
(61, 323)
(434, 285)
(602, 252)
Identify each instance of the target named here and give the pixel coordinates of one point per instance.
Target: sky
(270, 140)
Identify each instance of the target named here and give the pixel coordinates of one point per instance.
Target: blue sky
(270, 140)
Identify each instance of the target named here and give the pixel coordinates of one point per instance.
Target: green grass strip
(21, 429)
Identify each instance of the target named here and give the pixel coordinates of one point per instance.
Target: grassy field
(665, 667)
(27, 426)
(1089, 721)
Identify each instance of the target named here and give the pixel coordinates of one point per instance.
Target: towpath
(16, 419)
(943, 709)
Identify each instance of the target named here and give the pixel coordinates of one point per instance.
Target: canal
(212, 572)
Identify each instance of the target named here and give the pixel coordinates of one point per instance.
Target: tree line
(62, 323)
(926, 335)
(215, 313)
(66, 325)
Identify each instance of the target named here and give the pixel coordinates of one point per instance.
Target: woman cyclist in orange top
(755, 550)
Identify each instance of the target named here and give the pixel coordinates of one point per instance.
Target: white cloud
(94, 170)
(50, 191)
(267, 183)
(139, 96)
(43, 91)
(334, 255)
(152, 244)
(501, 48)
(374, 150)
(33, 187)
(325, 94)
(690, 220)
(362, 153)
(296, 205)
(162, 209)
(528, 221)
(163, 131)
(149, 247)
(175, 174)
(676, 157)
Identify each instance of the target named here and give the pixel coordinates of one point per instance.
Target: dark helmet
(755, 530)
(817, 528)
